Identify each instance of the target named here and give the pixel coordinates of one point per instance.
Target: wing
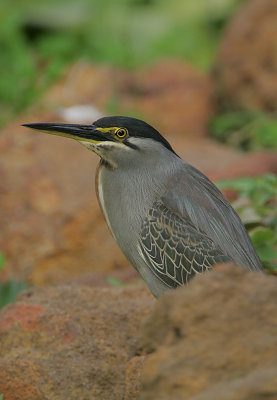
(174, 249)
(191, 195)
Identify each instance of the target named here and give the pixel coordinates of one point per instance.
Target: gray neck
(127, 192)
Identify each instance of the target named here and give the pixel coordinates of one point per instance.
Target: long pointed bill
(87, 133)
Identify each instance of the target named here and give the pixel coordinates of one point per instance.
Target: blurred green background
(38, 39)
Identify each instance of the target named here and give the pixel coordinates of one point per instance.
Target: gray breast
(126, 195)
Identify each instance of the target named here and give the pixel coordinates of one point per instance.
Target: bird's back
(191, 194)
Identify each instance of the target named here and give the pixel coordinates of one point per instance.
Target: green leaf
(2, 263)
(264, 240)
(115, 282)
(260, 191)
(261, 235)
(256, 205)
(1, 396)
(267, 253)
(9, 291)
(245, 129)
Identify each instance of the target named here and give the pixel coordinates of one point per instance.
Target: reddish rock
(25, 315)
(218, 161)
(249, 164)
(20, 380)
(73, 343)
(52, 229)
(172, 95)
(216, 338)
(85, 83)
(246, 68)
(133, 377)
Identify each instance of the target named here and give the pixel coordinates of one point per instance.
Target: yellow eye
(121, 133)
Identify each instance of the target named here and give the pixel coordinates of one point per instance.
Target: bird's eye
(121, 133)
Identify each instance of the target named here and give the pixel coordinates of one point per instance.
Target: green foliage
(257, 205)
(115, 282)
(246, 130)
(1, 396)
(17, 67)
(39, 39)
(9, 291)
(265, 242)
(2, 261)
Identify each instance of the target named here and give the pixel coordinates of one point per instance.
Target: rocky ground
(72, 342)
(75, 336)
(215, 339)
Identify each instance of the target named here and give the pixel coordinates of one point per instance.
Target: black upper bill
(74, 131)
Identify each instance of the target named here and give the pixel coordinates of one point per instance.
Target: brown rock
(133, 377)
(257, 385)
(246, 68)
(248, 164)
(85, 245)
(72, 343)
(52, 229)
(173, 96)
(218, 161)
(216, 338)
(85, 83)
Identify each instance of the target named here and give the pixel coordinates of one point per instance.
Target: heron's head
(115, 139)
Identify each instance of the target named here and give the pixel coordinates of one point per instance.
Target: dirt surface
(214, 339)
(246, 69)
(72, 343)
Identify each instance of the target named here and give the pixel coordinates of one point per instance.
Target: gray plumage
(165, 209)
(170, 221)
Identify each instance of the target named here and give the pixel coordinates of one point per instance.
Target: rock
(246, 67)
(160, 93)
(254, 163)
(218, 161)
(173, 96)
(52, 229)
(216, 338)
(257, 385)
(133, 377)
(70, 342)
(85, 83)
